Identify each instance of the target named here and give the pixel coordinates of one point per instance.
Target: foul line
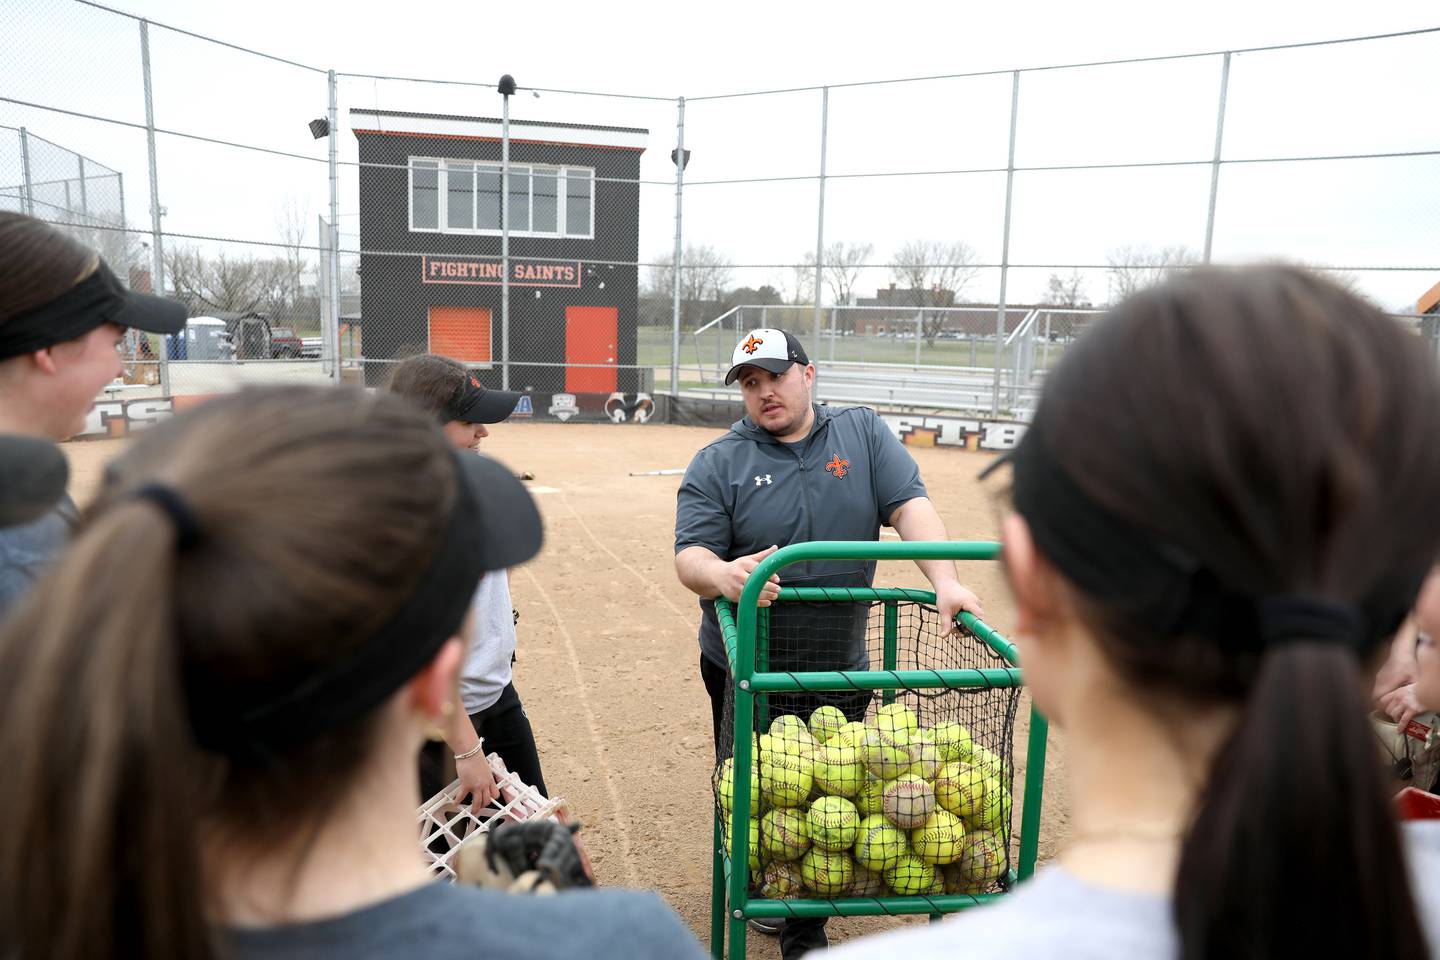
(648, 581)
(619, 817)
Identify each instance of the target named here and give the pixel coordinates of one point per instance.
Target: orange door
(590, 337)
(461, 333)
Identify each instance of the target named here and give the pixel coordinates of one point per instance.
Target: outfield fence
(936, 241)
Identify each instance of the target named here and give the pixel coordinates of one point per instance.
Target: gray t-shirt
(1057, 915)
(445, 922)
(486, 670)
(27, 551)
(746, 491)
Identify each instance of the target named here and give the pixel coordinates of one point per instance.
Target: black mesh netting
(867, 793)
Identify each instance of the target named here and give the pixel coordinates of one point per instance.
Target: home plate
(542, 489)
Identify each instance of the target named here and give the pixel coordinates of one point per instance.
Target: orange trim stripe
(457, 136)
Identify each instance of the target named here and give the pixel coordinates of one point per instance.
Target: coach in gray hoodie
(793, 471)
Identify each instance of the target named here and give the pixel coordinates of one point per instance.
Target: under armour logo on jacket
(764, 479)
(837, 466)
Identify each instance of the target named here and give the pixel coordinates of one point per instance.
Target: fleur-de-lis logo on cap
(751, 345)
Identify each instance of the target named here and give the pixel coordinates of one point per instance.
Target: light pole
(506, 88)
(681, 158)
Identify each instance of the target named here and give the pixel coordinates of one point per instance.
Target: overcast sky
(1355, 98)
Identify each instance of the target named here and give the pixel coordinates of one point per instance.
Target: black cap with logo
(475, 403)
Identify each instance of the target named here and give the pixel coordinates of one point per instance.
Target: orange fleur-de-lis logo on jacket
(751, 345)
(837, 466)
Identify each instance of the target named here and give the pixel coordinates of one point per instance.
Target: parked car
(310, 348)
(284, 345)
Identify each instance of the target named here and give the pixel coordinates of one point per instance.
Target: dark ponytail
(1249, 441)
(98, 761)
(1294, 850)
(308, 514)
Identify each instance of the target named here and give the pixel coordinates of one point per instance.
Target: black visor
(494, 525)
(99, 298)
(474, 403)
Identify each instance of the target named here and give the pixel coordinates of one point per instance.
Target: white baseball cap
(766, 348)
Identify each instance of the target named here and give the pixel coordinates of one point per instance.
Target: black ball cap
(475, 403)
(33, 474)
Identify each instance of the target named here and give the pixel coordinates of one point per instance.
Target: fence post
(84, 200)
(1215, 163)
(1005, 242)
(834, 319)
(820, 214)
(330, 346)
(505, 239)
(28, 193)
(157, 249)
(124, 225)
(678, 253)
(919, 330)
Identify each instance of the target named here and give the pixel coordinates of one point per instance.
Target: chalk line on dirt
(619, 818)
(648, 581)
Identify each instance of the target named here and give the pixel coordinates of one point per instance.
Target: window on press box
(424, 195)
(454, 196)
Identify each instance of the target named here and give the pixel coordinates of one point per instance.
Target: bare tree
(119, 248)
(932, 271)
(704, 276)
(843, 263)
(801, 290)
(224, 283)
(1067, 290)
(1137, 266)
(291, 224)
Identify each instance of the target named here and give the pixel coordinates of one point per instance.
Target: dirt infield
(608, 661)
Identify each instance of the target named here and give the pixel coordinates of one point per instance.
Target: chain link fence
(935, 242)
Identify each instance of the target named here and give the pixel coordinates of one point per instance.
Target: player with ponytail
(1224, 508)
(211, 709)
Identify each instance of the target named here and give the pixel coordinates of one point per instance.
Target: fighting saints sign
(525, 273)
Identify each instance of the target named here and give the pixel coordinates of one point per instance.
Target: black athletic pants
(797, 935)
(506, 731)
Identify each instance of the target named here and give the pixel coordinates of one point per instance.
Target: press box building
(430, 240)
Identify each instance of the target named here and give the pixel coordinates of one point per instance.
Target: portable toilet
(203, 338)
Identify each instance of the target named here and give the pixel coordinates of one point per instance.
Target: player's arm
(476, 778)
(702, 572)
(917, 519)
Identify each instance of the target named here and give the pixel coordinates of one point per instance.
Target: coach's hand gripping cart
(745, 628)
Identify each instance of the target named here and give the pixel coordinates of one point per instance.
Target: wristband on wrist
(473, 751)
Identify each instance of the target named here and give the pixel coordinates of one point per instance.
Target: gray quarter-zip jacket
(747, 490)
